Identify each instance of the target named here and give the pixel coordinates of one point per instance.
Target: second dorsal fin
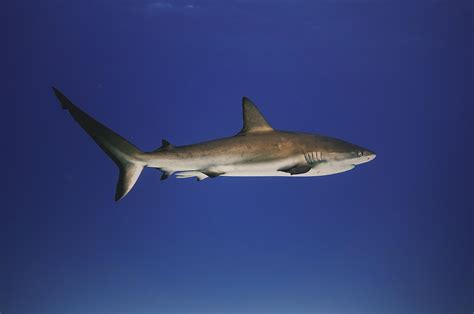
(165, 145)
(253, 118)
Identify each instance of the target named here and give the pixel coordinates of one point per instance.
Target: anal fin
(164, 174)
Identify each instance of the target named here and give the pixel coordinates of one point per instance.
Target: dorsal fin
(165, 145)
(253, 118)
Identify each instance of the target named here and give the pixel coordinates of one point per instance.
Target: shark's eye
(359, 153)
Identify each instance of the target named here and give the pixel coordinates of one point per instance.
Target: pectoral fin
(298, 169)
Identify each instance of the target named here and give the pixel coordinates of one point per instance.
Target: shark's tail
(129, 159)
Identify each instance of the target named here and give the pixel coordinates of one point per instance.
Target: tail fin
(129, 159)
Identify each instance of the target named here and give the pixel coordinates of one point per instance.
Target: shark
(256, 150)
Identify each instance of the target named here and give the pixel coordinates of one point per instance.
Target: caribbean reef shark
(257, 150)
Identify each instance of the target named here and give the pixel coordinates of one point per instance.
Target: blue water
(391, 236)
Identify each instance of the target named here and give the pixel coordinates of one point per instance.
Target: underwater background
(391, 236)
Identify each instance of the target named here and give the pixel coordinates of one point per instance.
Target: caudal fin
(129, 159)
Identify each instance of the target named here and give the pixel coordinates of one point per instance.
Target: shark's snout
(369, 155)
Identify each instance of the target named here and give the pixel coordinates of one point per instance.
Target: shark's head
(358, 156)
(344, 154)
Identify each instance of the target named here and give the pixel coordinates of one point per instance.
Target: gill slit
(313, 158)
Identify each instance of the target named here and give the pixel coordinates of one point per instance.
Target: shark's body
(257, 150)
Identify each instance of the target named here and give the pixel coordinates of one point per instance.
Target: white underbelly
(317, 171)
(265, 169)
